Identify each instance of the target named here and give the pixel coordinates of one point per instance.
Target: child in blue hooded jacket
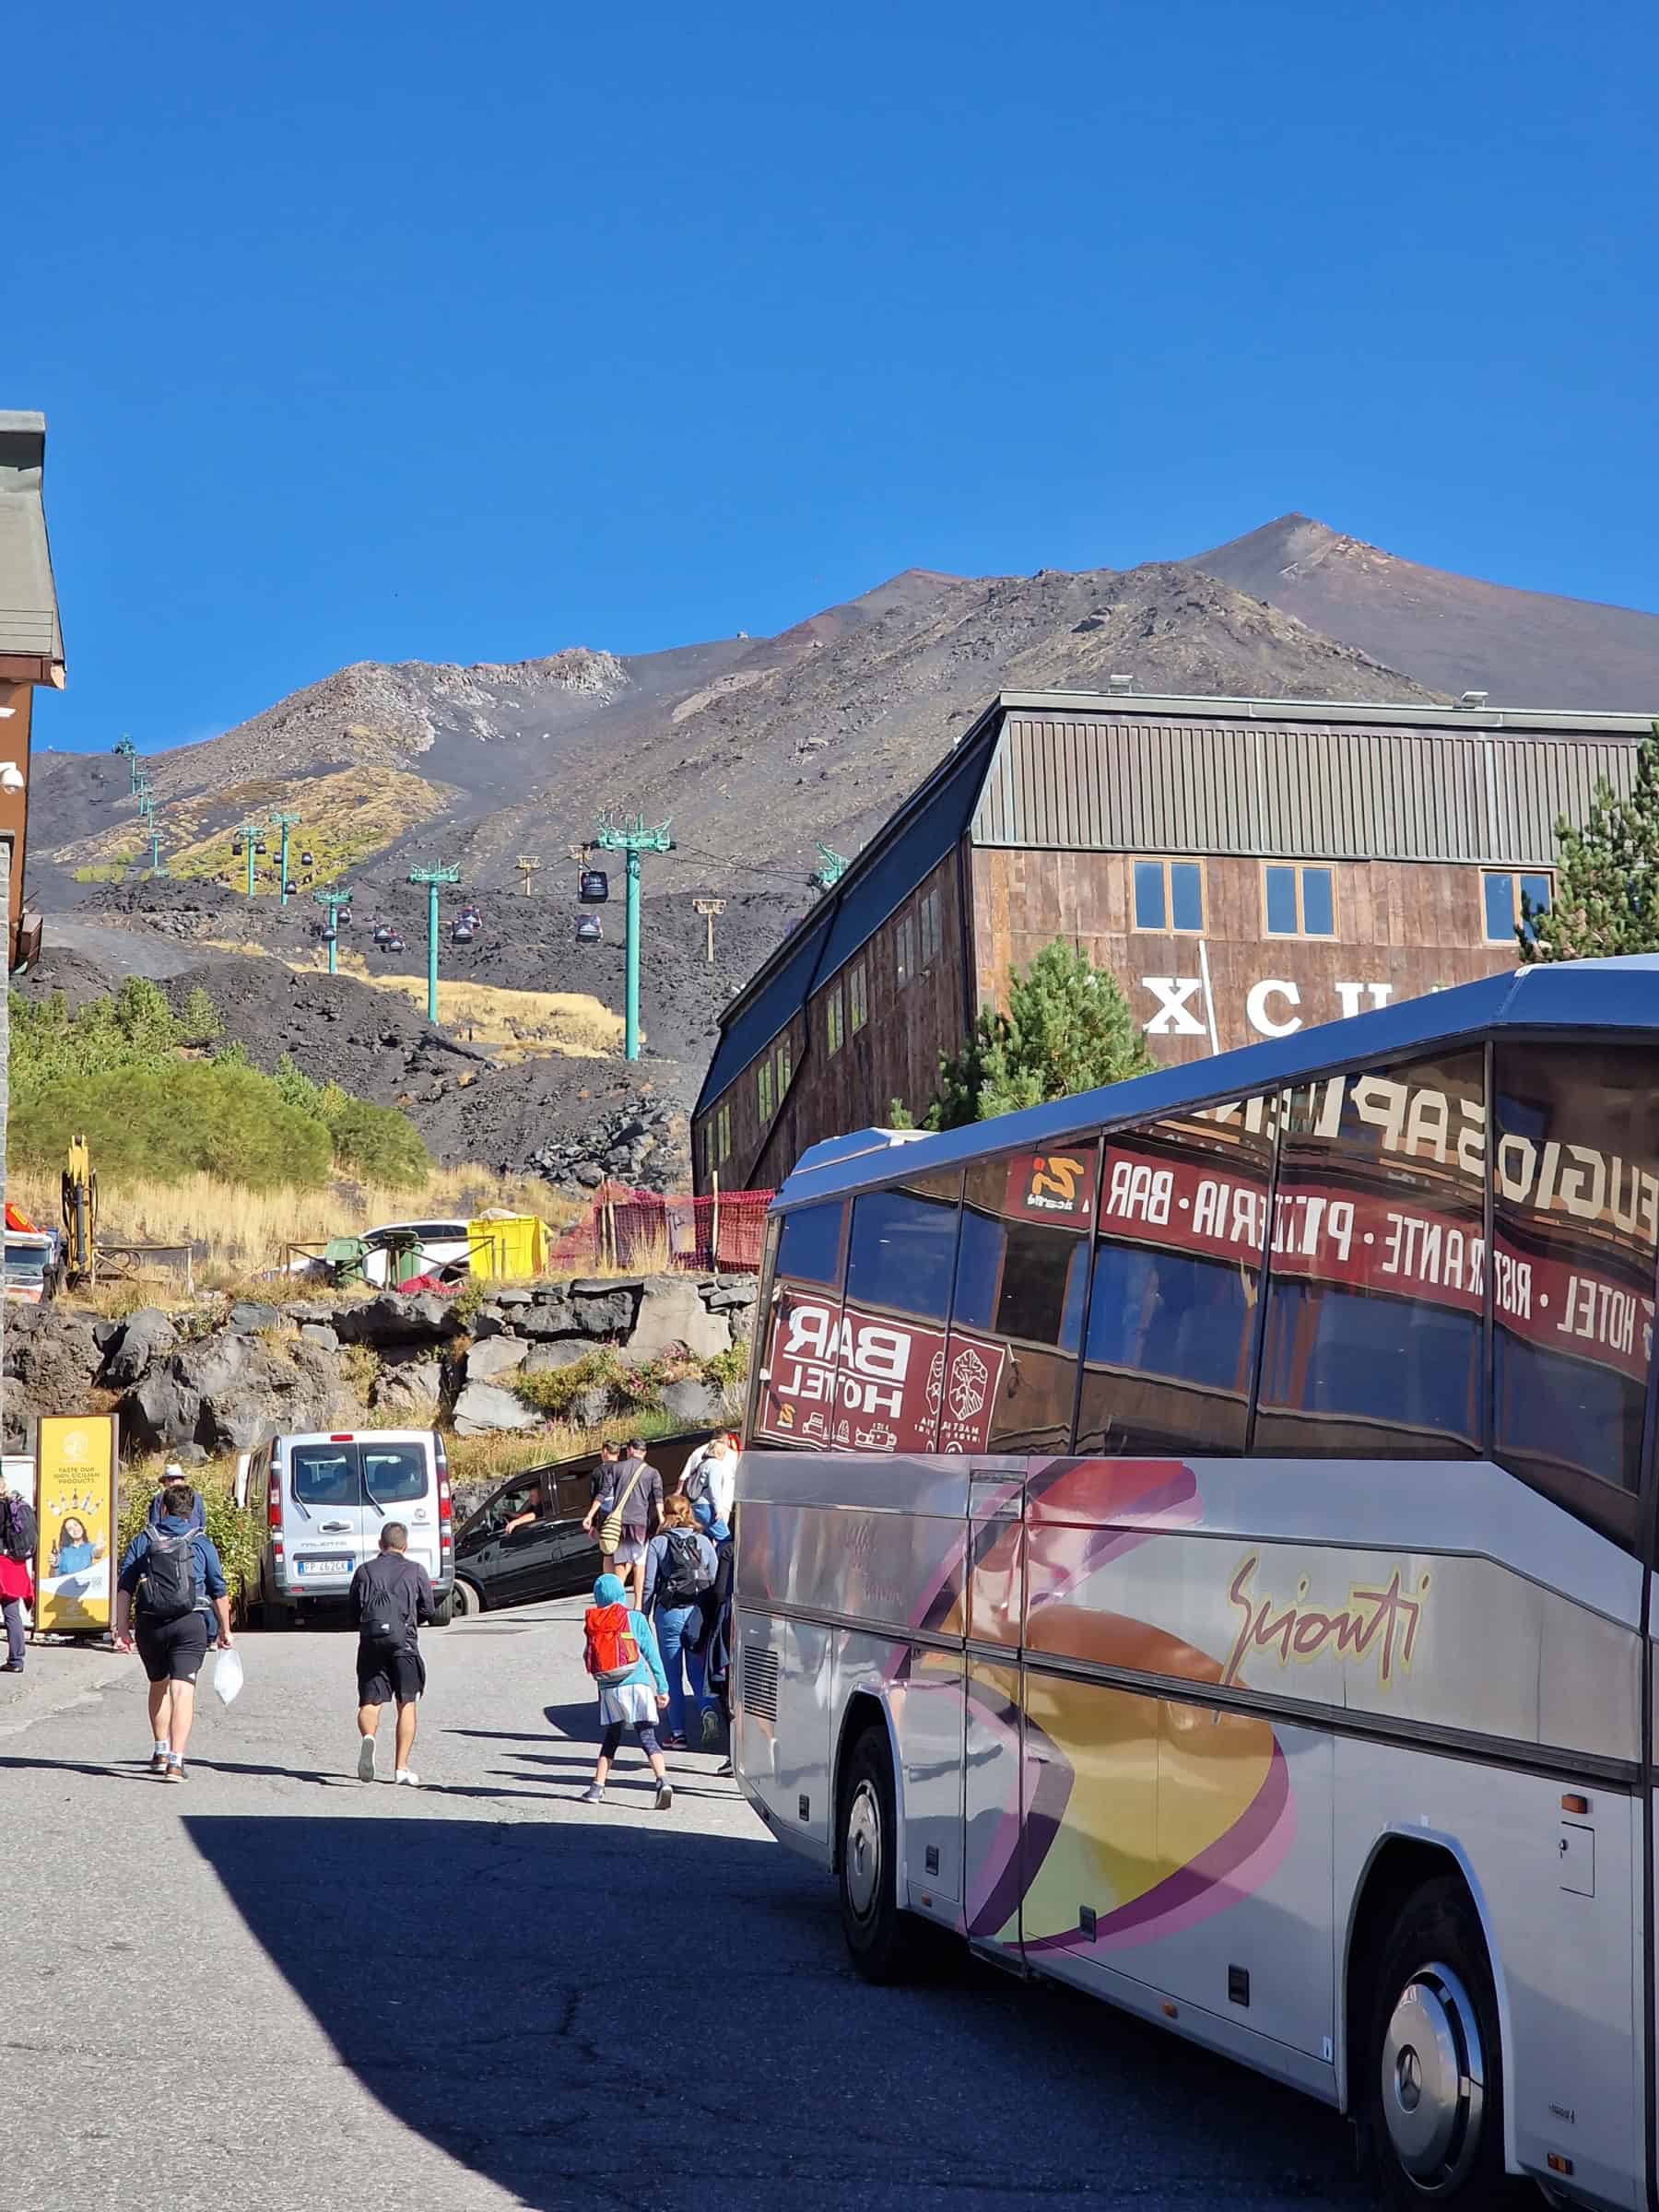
(633, 1701)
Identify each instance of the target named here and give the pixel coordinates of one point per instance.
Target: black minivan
(552, 1555)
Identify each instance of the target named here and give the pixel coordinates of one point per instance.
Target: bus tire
(1434, 2064)
(884, 1942)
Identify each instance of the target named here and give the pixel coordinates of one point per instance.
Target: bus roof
(1566, 997)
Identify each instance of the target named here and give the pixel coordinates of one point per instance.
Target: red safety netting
(646, 1233)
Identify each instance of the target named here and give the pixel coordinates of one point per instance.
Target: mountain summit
(1455, 633)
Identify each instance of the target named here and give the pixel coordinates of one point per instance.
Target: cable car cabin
(328, 936)
(259, 845)
(305, 860)
(382, 935)
(291, 887)
(596, 887)
(236, 849)
(395, 945)
(588, 931)
(460, 934)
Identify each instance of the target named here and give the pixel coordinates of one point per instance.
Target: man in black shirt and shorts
(389, 1598)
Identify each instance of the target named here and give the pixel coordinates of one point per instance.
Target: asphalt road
(277, 1982)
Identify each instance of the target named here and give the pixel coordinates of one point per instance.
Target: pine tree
(1606, 888)
(1068, 1028)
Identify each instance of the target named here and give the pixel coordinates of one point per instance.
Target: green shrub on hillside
(238, 1532)
(115, 1070)
(185, 1117)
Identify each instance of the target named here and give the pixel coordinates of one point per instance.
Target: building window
(1299, 901)
(904, 949)
(931, 936)
(763, 1089)
(858, 998)
(723, 1121)
(835, 1020)
(785, 1066)
(1168, 895)
(1505, 897)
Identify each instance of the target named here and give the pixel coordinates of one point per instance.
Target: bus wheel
(882, 1939)
(1435, 2089)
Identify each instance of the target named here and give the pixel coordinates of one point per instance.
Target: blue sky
(466, 335)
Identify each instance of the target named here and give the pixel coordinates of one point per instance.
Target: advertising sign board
(76, 1473)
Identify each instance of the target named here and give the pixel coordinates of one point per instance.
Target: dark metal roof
(762, 1013)
(1567, 996)
(29, 616)
(911, 842)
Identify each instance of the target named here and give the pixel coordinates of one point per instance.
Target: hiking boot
(592, 1795)
(366, 1760)
(710, 1728)
(664, 1797)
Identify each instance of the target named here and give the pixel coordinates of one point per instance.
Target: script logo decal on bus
(1385, 1621)
(1049, 1186)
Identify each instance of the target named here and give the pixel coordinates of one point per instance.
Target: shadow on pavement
(621, 2010)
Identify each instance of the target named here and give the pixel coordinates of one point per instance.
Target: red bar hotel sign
(839, 1376)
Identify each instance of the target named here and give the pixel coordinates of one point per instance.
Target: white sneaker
(366, 1760)
(407, 1774)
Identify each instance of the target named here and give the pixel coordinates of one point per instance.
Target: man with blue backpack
(170, 1585)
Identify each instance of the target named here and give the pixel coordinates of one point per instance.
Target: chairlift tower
(333, 901)
(708, 908)
(432, 877)
(285, 822)
(129, 753)
(249, 833)
(632, 838)
(832, 866)
(526, 864)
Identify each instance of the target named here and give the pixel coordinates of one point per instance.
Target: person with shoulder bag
(680, 1572)
(629, 1507)
(18, 1536)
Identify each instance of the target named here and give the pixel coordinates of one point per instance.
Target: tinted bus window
(1374, 1338)
(1575, 1174)
(1172, 1314)
(1009, 1373)
(903, 1249)
(809, 1244)
(901, 1258)
(796, 1382)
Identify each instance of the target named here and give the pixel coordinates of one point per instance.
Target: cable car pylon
(632, 838)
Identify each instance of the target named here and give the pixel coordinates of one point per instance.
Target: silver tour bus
(1195, 1541)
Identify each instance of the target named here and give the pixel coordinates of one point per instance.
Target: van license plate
(323, 1566)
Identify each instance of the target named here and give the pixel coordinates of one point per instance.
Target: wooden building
(32, 650)
(1242, 867)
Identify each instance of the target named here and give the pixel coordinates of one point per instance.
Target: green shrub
(378, 1143)
(557, 1390)
(181, 1118)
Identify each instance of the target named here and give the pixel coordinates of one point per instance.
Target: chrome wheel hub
(1433, 2081)
(863, 1850)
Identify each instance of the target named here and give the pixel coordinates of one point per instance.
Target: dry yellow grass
(243, 1231)
(510, 1025)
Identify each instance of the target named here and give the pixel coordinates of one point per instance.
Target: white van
(327, 1499)
(442, 1245)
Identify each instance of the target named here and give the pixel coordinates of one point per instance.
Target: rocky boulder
(694, 1405)
(394, 1319)
(249, 1316)
(672, 1313)
(143, 1337)
(485, 1408)
(495, 1356)
(411, 1386)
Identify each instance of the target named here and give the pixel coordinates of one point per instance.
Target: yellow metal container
(512, 1245)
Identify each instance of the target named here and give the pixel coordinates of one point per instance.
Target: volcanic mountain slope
(1526, 649)
(755, 748)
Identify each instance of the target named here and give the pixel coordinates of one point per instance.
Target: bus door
(995, 1794)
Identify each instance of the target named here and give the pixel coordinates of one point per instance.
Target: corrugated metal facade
(1101, 783)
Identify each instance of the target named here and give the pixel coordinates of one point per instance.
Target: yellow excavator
(81, 1212)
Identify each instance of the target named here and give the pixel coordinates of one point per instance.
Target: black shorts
(173, 1650)
(386, 1675)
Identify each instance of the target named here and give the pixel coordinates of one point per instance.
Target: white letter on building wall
(1255, 1008)
(1347, 996)
(1173, 1019)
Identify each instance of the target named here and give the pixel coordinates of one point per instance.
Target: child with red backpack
(622, 1657)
